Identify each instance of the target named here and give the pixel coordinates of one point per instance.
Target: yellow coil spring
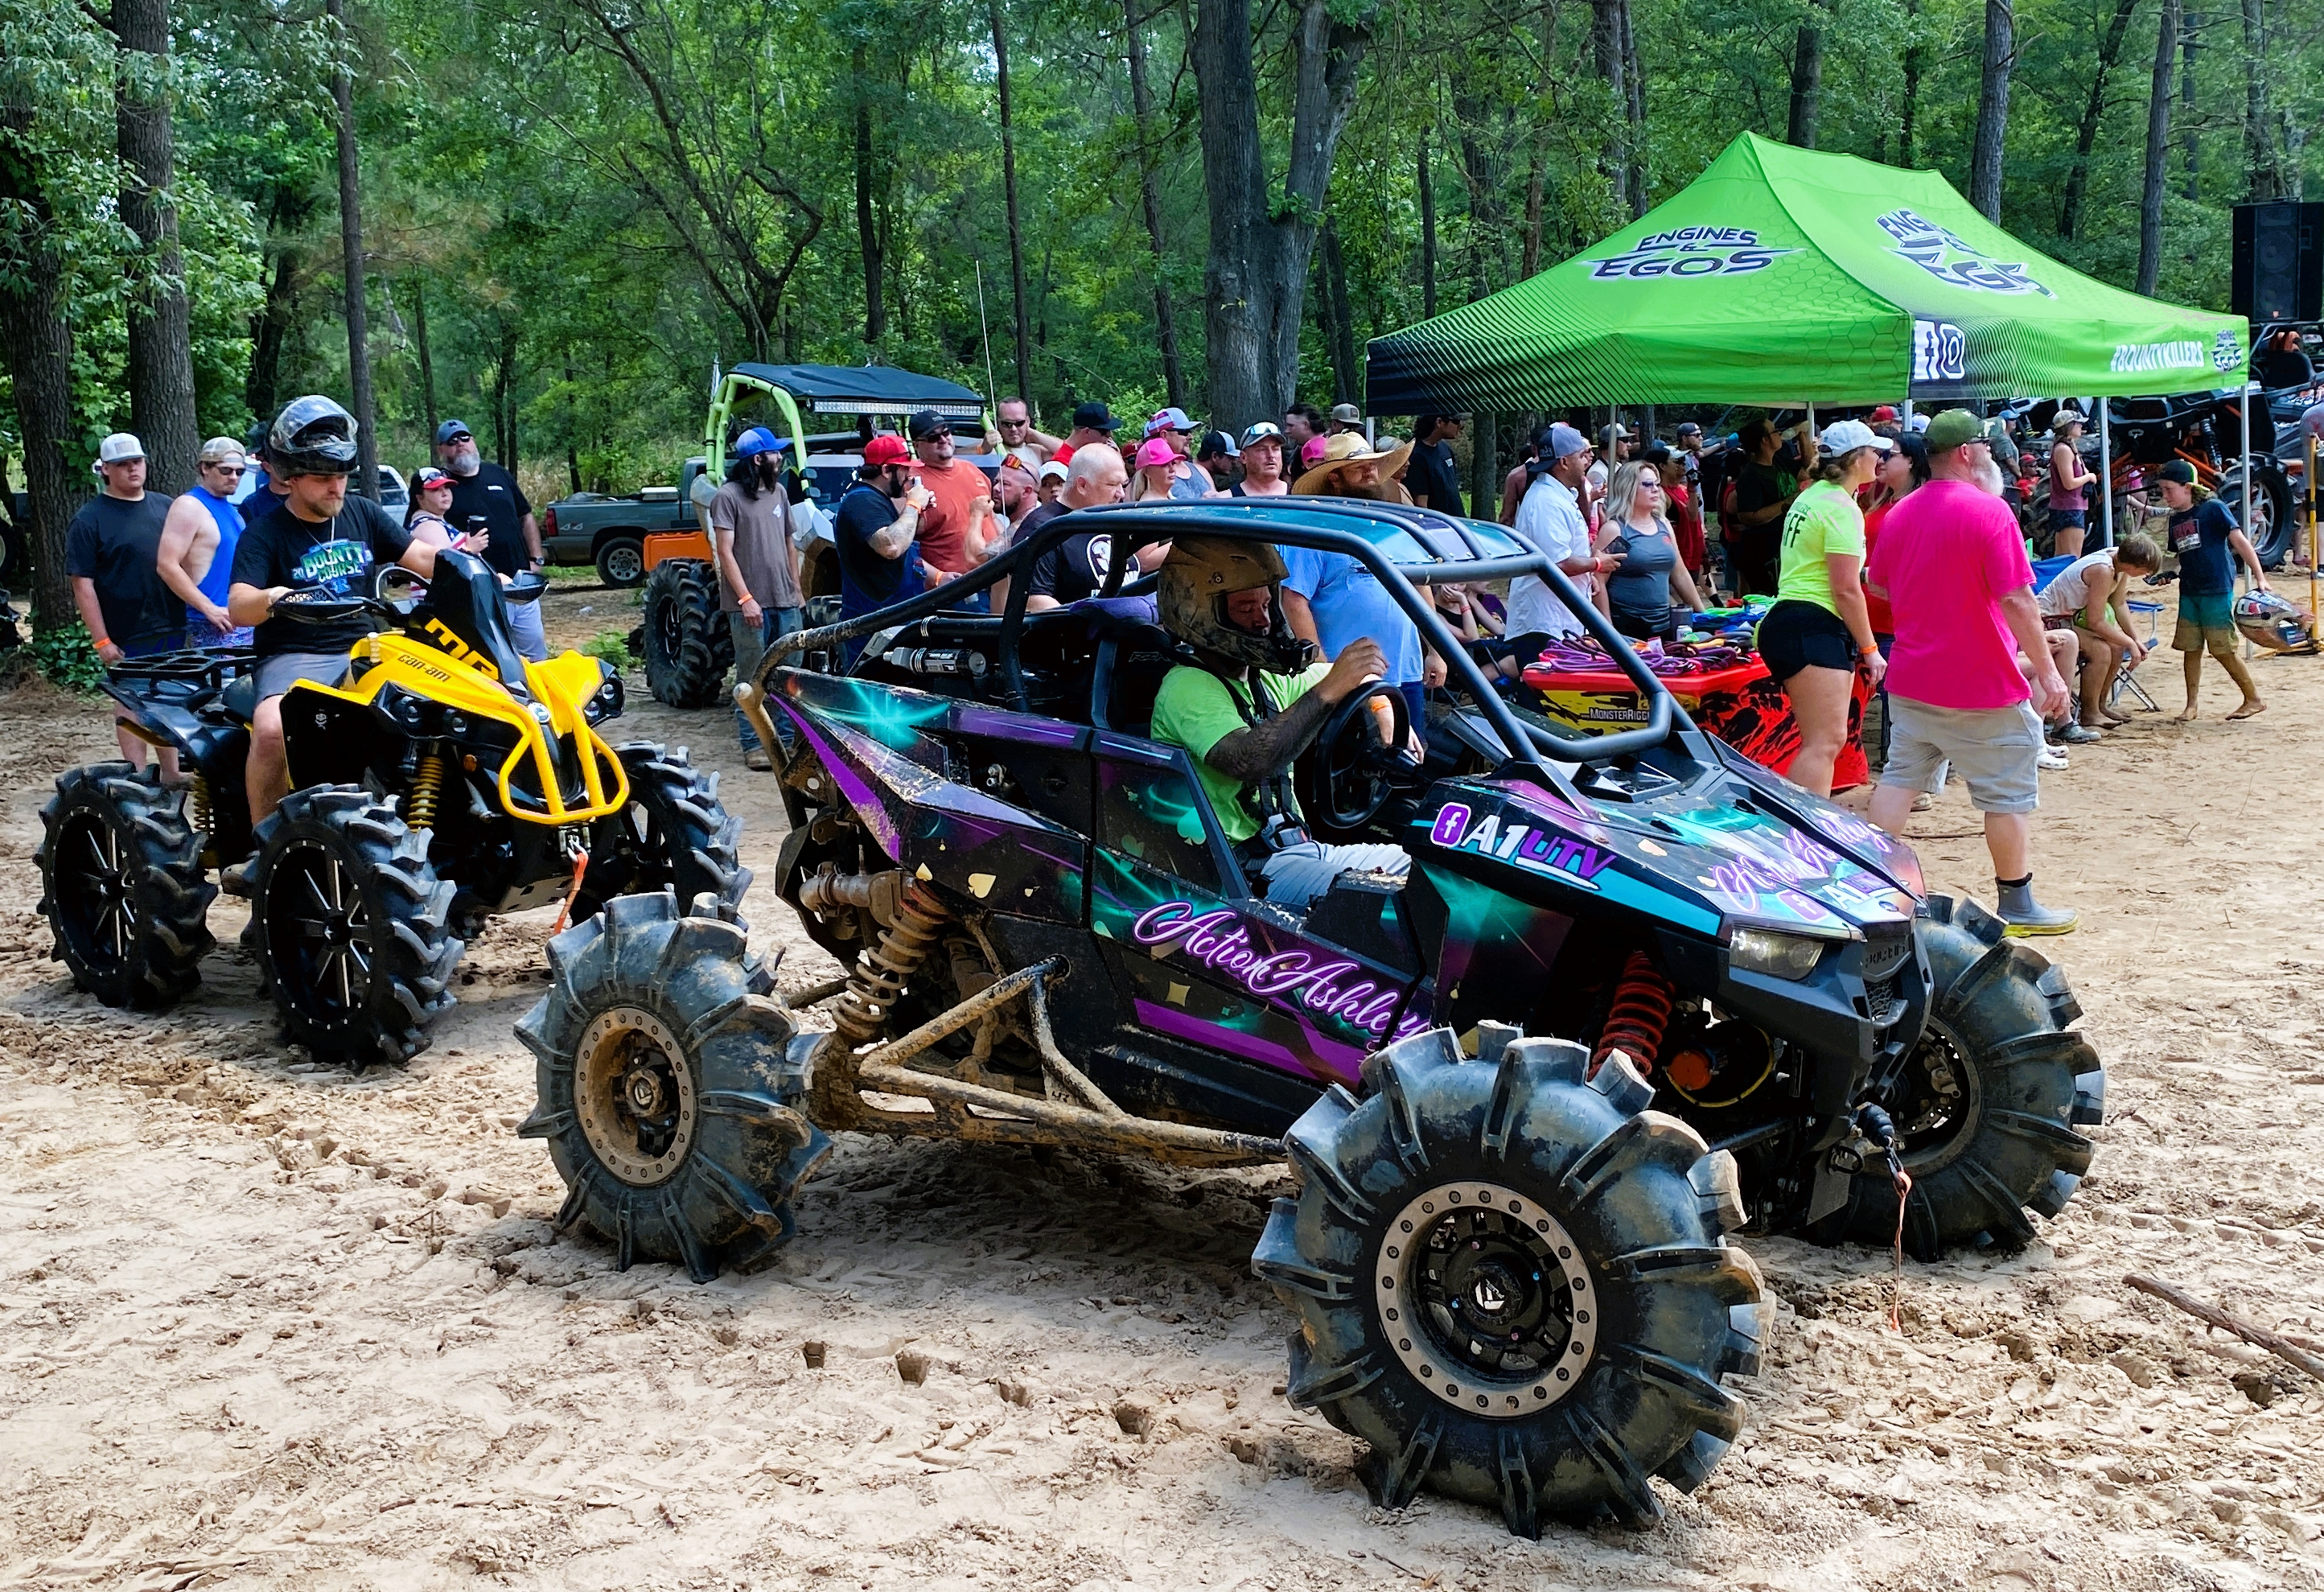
(880, 970)
(198, 801)
(427, 787)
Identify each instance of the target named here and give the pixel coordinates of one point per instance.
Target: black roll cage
(1135, 525)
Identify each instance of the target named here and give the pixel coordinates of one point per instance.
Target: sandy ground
(267, 1324)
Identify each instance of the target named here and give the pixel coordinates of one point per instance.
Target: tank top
(219, 575)
(1642, 588)
(2070, 589)
(2060, 497)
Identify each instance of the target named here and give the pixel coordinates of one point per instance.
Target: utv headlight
(1772, 952)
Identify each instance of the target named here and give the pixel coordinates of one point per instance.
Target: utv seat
(240, 698)
(1131, 664)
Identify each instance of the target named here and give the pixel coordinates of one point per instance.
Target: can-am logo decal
(2226, 352)
(1939, 352)
(2133, 358)
(1222, 942)
(1538, 851)
(1952, 259)
(1689, 252)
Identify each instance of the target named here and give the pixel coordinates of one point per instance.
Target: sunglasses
(225, 469)
(457, 437)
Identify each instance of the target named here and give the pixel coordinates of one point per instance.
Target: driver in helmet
(1254, 700)
(316, 538)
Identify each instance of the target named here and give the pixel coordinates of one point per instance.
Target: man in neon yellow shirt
(1255, 700)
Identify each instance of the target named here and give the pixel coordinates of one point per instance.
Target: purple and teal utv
(1635, 995)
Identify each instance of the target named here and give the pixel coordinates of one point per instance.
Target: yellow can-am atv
(447, 780)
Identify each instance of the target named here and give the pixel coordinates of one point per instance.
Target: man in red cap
(876, 528)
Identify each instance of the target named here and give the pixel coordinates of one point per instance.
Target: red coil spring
(1641, 1012)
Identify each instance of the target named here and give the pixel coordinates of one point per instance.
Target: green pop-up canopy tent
(1781, 276)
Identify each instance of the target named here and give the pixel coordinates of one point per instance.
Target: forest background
(563, 213)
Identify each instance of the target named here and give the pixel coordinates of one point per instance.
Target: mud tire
(404, 929)
(2276, 534)
(687, 647)
(1660, 1308)
(687, 1004)
(112, 838)
(2010, 1145)
(674, 835)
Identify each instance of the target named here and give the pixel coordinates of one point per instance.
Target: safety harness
(1280, 823)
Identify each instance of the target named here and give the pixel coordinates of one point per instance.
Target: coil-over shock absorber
(1640, 1014)
(427, 790)
(881, 968)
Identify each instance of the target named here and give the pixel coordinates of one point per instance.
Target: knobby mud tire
(405, 933)
(123, 886)
(2001, 1016)
(699, 1040)
(674, 835)
(1660, 1309)
(689, 647)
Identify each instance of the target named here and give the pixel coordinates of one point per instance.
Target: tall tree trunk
(1992, 109)
(1347, 368)
(1606, 50)
(351, 249)
(504, 394)
(2264, 178)
(271, 330)
(39, 344)
(1807, 85)
(161, 345)
(867, 230)
(1022, 320)
(1255, 275)
(2086, 137)
(426, 359)
(1634, 106)
(2158, 148)
(1149, 193)
(1427, 186)
(572, 425)
(1909, 113)
(2191, 29)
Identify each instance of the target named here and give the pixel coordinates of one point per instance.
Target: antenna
(984, 327)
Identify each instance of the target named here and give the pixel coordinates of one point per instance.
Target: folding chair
(2123, 679)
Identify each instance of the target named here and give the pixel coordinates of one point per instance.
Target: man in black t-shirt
(317, 538)
(486, 497)
(1076, 567)
(112, 559)
(1431, 480)
(876, 530)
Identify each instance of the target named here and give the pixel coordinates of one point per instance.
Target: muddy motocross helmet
(1201, 573)
(312, 436)
(2268, 621)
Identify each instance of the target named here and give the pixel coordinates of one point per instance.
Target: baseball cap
(1170, 419)
(430, 479)
(1565, 441)
(1884, 414)
(928, 423)
(2178, 470)
(1952, 429)
(2068, 415)
(1094, 416)
(887, 448)
(1054, 470)
(451, 429)
(119, 449)
(1215, 443)
(1155, 451)
(756, 440)
(1311, 451)
(1347, 414)
(222, 450)
(1689, 428)
(1847, 436)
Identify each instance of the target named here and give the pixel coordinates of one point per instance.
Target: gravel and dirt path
(268, 1324)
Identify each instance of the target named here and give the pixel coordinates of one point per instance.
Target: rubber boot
(2022, 915)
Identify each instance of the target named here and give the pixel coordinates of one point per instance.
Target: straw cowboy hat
(1345, 448)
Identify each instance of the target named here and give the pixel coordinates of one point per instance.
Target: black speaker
(2279, 262)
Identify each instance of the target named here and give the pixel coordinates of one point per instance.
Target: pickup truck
(594, 528)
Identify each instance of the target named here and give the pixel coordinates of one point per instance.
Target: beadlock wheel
(635, 1096)
(1485, 1300)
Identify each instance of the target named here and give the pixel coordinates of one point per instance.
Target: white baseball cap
(1847, 436)
(118, 449)
(1053, 471)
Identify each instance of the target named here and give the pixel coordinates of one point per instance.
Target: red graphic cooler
(1742, 704)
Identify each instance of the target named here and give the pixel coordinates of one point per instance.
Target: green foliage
(67, 658)
(613, 648)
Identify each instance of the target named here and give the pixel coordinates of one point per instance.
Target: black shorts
(1798, 635)
(1640, 627)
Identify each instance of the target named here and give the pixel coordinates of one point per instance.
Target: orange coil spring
(1641, 1012)
(881, 970)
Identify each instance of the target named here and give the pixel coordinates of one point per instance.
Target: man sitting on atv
(316, 536)
(1223, 599)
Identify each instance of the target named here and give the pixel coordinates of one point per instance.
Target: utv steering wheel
(1356, 771)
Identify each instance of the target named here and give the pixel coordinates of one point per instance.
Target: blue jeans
(750, 647)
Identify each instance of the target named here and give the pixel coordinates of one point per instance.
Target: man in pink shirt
(1953, 568)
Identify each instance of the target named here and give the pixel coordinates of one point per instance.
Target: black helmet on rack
(312, 436)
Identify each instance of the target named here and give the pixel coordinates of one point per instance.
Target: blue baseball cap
(757, 439)
(451, 429)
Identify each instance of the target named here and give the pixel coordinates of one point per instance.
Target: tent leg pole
(2105, 473)
(2250, 387)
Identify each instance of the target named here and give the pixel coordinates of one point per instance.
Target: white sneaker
(2052, 758)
